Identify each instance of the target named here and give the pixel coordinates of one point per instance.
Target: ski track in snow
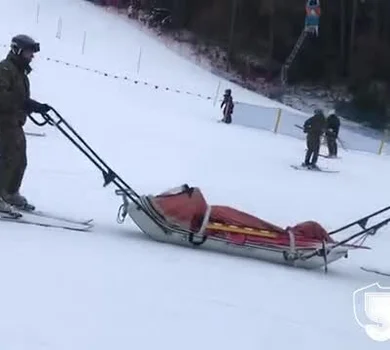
(113, 288)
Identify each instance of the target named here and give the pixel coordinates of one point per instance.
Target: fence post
(59, 28)
(278, 117)
(217, 93)
(84, 42)
(139, 60)
(383, 142)
(38, 10)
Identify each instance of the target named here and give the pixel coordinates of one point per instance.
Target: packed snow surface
(113, 288)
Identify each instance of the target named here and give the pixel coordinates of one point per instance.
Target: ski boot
(313, 167)
(8, 210)
(18, 201)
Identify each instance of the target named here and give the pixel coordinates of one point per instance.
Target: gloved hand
(42, 108)
(32, 106)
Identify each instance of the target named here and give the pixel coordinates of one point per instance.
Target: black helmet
(23, 42)
(228, 92)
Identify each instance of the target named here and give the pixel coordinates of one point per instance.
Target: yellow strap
(244, 230)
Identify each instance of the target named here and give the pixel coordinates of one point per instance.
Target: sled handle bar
(108, 174)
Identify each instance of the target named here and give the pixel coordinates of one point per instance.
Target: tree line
(353, 46)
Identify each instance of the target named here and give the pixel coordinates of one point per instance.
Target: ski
(327, 157)
(376, 271)
(320, 170)
(44, 222)
(33, 133)
(54, 216)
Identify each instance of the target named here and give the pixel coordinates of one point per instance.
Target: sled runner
(182, 216)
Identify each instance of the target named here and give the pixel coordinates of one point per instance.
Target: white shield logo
(371, 306)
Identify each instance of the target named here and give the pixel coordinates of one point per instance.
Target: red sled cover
(188, 208)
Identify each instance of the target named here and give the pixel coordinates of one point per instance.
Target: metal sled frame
(151, 223)
(160, 230)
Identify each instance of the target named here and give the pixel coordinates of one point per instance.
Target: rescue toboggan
(181, 216)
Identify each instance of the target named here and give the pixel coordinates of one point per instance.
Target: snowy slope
(115, 289)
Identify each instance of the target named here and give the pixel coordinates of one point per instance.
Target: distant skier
(314, 127)
(228, 106)
(15, 105)
(332, 133)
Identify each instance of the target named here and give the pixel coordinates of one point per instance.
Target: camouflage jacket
(315, 126)
(14, 91)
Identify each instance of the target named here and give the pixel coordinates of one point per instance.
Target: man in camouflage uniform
(332, 133)
(314, 127)
(15, 105)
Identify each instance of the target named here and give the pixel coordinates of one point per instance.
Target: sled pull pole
(362, 222)
(108, 174)
(367, 231)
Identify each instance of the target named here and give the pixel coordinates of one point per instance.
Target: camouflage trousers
(313, 144)
(332, 144)
(13, 159)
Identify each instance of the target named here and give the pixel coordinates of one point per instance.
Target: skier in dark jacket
(228, 106)
(15, 105)
(332, 133)
(314, 127)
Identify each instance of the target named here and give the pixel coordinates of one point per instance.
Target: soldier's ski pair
(30, 216)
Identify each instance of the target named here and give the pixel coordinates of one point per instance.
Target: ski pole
(342, 144)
